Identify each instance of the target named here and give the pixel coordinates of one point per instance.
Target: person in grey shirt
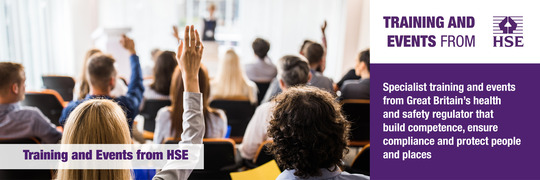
(189, 60)
(17, 121)
(262, 70)
(358, 89)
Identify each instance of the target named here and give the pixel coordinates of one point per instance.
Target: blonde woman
(99, 121)
(231, 80)
(96, 121)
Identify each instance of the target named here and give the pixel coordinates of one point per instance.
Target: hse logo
(507, 31)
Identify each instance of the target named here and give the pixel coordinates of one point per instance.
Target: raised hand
(128, 44)
(323, 27)
(189, 59)
(175, 33)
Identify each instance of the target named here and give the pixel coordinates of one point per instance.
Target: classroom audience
(169, 119)
(313, 146)
(231, 81)
(18, 121)
(82, 87)
(262, 70)
(102, 79)
(358, 89)
(292, 71)
(159, 87)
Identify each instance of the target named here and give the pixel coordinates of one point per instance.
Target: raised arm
(135, 91)
(189, 59)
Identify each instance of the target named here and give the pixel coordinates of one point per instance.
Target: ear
(282, 85)
(112, 82)
(309, 77)
(15, 88)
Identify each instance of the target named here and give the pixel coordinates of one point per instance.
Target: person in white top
(231, 81)
(82, 87)
(159, 87)
(169, 119)
(262, 70)
(292, 71)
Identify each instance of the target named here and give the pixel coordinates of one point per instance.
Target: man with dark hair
(310, 135)
(102, 78)
(262, 70)
(17, 121)
(315, 55)
(293, 71)
(358, 89)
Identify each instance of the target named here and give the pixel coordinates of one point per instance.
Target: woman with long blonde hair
(96, 121)
(231, 80)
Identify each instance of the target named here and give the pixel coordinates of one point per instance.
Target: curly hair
(309, 131)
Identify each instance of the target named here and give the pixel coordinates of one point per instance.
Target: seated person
(231, 81)
(18, 121)
(292, 71)
(159, 86)
(304, 118)
(358, 89)
(105, 122)
(82, 87)
(102, 77)
(262, 70)
(107, 117)
(315, 55)
(169, 119)
(351, 74)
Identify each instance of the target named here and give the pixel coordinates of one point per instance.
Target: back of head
(364, 57)
(304, 46)
(309, 131)
(230, 79)
(293, 70)
(260, 47)
(163, 70)
(84, 89)
(177, 97)
(314, 53)
(10, 73)
(100, 71)
(96, 121)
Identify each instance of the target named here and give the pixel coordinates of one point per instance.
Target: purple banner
(516, 117)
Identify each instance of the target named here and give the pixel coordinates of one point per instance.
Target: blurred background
(50, 37)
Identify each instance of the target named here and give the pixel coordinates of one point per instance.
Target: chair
(48, 101)
(361, 162)
(357, 112)
(238, 113)
(263, 87)
(149, 112)
(62, 84)
(24, 173)
(261, 157)
(219, 155)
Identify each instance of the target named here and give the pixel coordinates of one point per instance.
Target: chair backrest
(361, 162)
(24, 173)
(262, 156)
(219, 158)
(238, 113)
(263, 87)
(62, 84)
(357, 112)
(149, 112)
(48, 102)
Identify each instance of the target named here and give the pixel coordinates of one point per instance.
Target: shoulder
(27, 111)
(163, 114)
